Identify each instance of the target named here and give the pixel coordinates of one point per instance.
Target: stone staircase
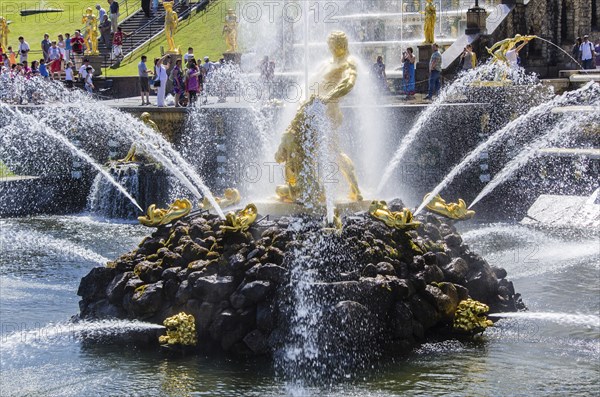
(144, 29)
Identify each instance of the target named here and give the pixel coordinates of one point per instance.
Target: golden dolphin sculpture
(402, 220)
(159, 216)
(456, 211)
(230, 197)
(240, 221)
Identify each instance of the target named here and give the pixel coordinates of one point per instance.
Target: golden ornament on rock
(133, 155)
(181, 330)
(456, 211)
(470, 316)
(402, 220)
(160, 217)
(240, 221)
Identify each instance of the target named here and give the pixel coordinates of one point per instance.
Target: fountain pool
(40, 355)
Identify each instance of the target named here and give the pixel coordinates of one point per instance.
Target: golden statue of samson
(299, 147)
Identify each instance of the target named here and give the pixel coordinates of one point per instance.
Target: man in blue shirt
(435, 72)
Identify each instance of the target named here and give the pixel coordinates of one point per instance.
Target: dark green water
(556, 352)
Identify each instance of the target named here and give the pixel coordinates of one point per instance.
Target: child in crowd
(26, 70)
(118, 43)
(43, 69)
(35, 68)
(68, 47)
(12, 56)
(69, 75)
(89, 85)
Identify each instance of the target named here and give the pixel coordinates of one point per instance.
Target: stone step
(569, 72)
(584, 77)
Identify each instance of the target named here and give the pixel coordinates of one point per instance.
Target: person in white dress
(160, 78)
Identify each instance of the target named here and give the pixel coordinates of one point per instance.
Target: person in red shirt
(77, 43)
(118, 43)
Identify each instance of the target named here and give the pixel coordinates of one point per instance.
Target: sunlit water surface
(43, 258)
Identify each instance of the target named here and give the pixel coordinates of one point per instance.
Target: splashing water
(513, 128)
(589, 320)
(74, 149)
(76, 111)
(530, 152)
(319, 121)
(18, 243)
(565, 52)
(61, 332)
(457, 86)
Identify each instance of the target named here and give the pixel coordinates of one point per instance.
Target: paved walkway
(236, 102)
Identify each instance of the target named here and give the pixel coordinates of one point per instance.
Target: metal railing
(186, 15)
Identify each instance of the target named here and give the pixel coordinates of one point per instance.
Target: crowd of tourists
(586, 53)
(187, 78)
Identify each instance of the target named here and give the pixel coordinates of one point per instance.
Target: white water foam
(588, 320)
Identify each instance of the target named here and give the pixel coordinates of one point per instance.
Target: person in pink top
(192, 81)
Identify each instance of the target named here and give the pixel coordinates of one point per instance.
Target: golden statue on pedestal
(133, 155)
(230, 31)
(230, 197)
(158, 217)
(240, 221)
(4, 31)
(171, 21)
(429, 24)
(90, 32)
(299, 149)
(456, 211)
(402, 220)
(498, 50)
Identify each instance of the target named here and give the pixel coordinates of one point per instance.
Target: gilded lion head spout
(338, 43)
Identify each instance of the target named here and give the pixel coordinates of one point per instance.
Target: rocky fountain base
(368, 288)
